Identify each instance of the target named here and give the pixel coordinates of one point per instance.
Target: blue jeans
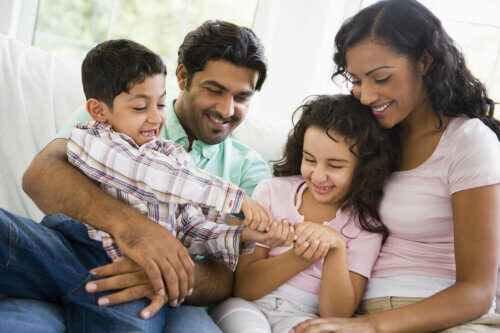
(50, 262)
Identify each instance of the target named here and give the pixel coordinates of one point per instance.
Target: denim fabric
(50, 262)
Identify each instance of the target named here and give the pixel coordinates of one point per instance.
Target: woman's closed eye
(383, 80)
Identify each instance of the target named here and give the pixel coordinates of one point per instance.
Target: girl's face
(327, 166)
(389, 83)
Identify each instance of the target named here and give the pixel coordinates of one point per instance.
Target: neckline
(422, 165)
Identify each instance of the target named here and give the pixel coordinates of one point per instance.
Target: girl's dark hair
(347, 117)
(409, 28)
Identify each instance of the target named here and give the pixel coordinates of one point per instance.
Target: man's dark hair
(114, 66)
(218, 40)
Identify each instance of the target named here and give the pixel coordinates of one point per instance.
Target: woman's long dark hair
(409, 28)
(347, 117)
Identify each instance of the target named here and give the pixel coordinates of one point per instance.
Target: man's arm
(72, 193)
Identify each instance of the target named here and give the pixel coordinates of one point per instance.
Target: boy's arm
(72, 193)
(155, 176)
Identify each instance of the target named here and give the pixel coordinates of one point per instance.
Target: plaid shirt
(159, 179)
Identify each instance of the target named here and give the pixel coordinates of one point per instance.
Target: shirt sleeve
(220, 241)
(362, 252)
(153, 176)
(476, 159)
(79, 116)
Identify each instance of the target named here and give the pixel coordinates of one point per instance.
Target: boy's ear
(181, 77)
(97, 110)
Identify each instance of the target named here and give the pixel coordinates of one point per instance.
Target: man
(220, 67)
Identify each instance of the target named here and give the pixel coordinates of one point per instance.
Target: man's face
(216, 100)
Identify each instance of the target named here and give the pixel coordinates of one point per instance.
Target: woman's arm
(476, 219)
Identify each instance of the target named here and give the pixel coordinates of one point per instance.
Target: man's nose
(226, 107)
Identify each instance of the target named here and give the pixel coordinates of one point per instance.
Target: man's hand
(256, 216)
(161, 255)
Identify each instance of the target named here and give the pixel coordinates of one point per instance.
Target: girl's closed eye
(333, 166)
(140, 108)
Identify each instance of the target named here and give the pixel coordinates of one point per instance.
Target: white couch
(38, 92)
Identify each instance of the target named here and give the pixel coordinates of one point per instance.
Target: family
(383, 214)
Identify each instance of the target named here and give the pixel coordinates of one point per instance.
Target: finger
(291, 235)
(303, 234)
(273, 230)
(117, 282)
(126, 295)
(300, 249)
(321, 251)
(309, 252)
(124, 265)
(248, 217)
(169, 273)
(309, 325)
(156, 304)
(183, 279)
(155, 276)
(188, 264)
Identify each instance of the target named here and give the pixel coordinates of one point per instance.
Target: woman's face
(389, 83)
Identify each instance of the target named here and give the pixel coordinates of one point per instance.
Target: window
(71, 28)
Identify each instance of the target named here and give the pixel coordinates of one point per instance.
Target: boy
(125, 86)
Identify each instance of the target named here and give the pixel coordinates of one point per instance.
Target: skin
(328, 167)
(160, 255)
(476, 212)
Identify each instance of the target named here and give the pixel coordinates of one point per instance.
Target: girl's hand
(310, 231)
(280, 233)
(314, 251)
(323, 325)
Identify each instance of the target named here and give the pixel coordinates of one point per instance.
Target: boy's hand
(256, 216)
(280, 233)
(311, 231)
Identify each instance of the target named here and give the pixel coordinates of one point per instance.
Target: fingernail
(316, 242)
(161, 292)
(90, 287)
(305, 244)
(103, 301)
(173, 304)
(190, 291)
(181, 301)
(146, 314)
(93, 272)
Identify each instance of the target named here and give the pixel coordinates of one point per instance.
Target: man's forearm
(213, 283)
(57, 187)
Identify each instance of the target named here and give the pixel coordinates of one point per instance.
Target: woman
(439, 266)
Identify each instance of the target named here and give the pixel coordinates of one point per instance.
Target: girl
(335, 163)
(439, 265)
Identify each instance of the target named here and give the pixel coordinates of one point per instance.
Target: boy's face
(216, 101)
(140, 113)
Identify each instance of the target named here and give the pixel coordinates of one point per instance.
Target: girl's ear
(425, 62)
(97, 110)
(181, 77)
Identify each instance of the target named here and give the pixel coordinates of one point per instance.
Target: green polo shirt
(229, 159)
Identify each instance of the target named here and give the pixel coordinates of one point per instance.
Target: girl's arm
(340, 290)
(476, 219)
(257, 275)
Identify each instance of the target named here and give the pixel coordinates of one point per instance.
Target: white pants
(277, 312)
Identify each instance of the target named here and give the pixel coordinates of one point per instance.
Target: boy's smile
(140, 113)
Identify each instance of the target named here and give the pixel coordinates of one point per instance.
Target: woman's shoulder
(467, 129)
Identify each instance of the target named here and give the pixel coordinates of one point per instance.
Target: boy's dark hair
(219, 40)
(410, 29)
(370, 143)
(114, 66)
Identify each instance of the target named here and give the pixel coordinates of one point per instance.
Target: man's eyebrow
(223, 88)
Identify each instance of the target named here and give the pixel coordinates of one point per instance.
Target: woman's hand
(323, 325)
(125, 274)
(311, 231)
